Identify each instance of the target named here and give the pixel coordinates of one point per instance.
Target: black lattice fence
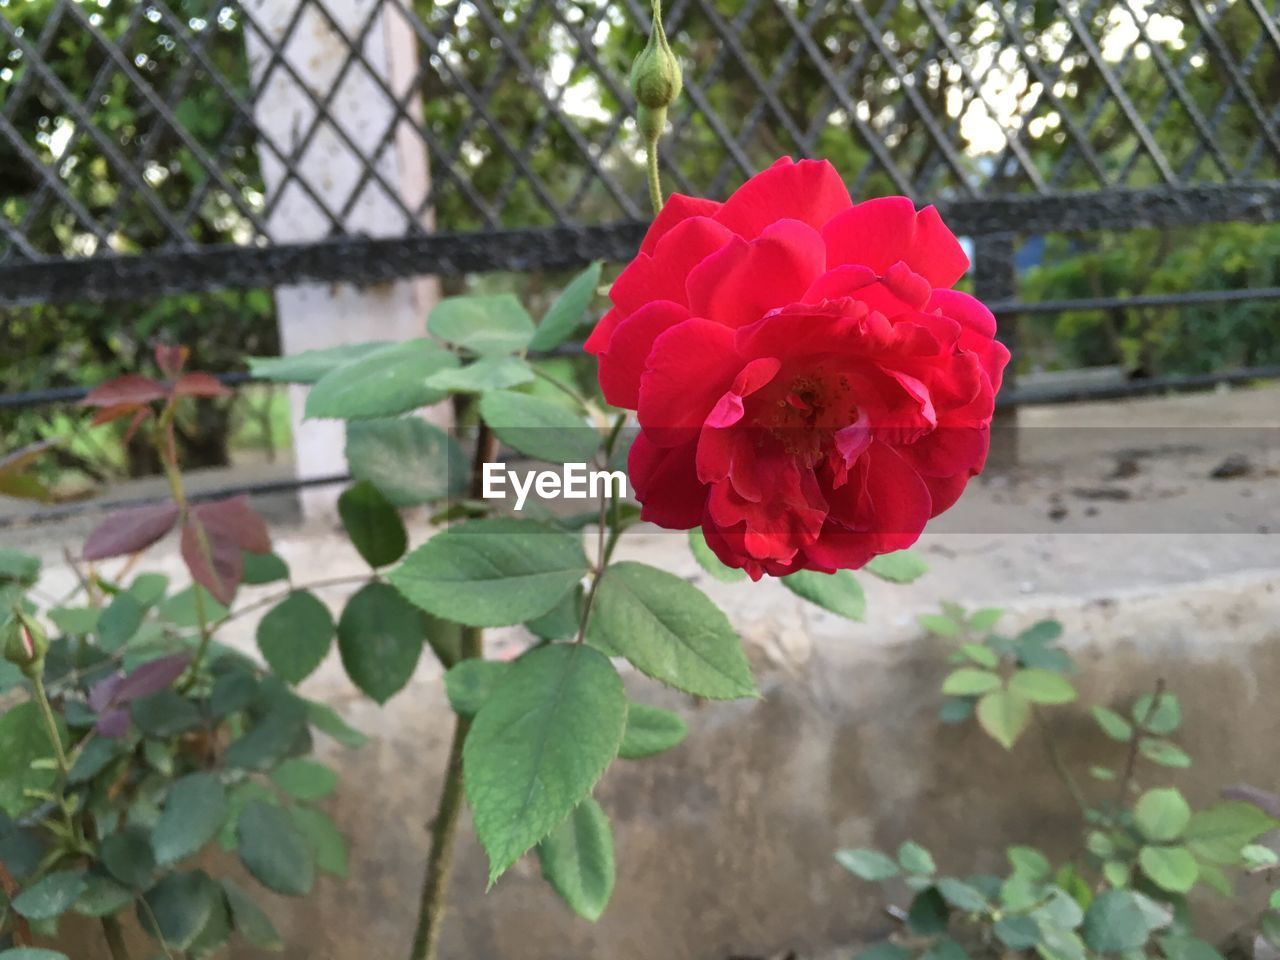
(143, 150)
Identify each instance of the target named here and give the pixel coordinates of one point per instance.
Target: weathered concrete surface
(724, 845)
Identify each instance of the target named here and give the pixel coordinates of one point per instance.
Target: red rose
(808, 388)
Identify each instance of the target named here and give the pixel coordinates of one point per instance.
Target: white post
(314, 315)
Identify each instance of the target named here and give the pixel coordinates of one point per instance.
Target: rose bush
(809, 389)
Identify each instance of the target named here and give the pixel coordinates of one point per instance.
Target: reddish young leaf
(152, 677)
(131, 530)
(235, 520)
(171, 359)
(199, 385)
(118, 410)
(141, 415)
(129, 390)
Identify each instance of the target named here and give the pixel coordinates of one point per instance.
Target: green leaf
(482, 324)
(542, 429)
(983, 656)
(1158, 716)
(23, 741)
(102, 896)
(1170, 868)
(75, 621)
(487, 373)
(1042, 686)
(1162, 815)
(165, 714)
(492, 572)
(324, 837)
(961, 895)
(1116, 873)
(249, 920)
(1164, 753)
(565, 315)
(232, 692)
(50, 896)
(904, 566)
(410, 461)
(19, 566)
(326, 720)
(119, 621)
(560, 622)
(838, 592)
(1113, 725)
(650, 731)
(1187, 948)
(128, 856)
(1219, 833)
(1017, 932)
(538, 746)
(383, 383)
(944, 948)
(179, 907)
(380, 637)
(1257, 857)
(928, 914)
(273, 850)
(955, 710)
(295, 635)
(577, 860)
(1004, 715)
(373, 524)
(968, 682)
(980, 621)
(1115, 922)
(304, 779)
(181, 608)
(868, 864)
(31, 953)
(936, 623)
(915, 858)
(193, 814)
(276, 732)
(670, 631)
(1029, 862)
(1040, 633)
(470, 683)
(260, 568)
(310, 365)
(1269, 927)
(709, 562)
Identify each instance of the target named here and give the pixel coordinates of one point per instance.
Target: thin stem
(1135, 738)
(1055, 759)
(293, 588)
(655, 178)
(50, 723)
(114, 935)
(444, 828)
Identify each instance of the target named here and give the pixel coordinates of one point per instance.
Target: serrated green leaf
(915, 858)
(1219, 833)
(179, 907)
(538, 746)
(260, 568)
(127, 854)
(1042, 686)
(904, 566)
(380, 637)
(1029, 862)
(1170, 868)
(194, 812)
(487, 373)
(1115, 922)
(102, 896)
(310, 365)
(273, 850)
(119, 621)
(650, 731)
(326, 720)
(565, 315)
(373, 524)
(967, 682)
(1160, 717)
(670, 631)
(1164, 753)
(304, 779)
(492, 572)
(983, 656)
(941, 625)
(470, 683)
(295, 635)
(838, 592)
(542, 429)
(382, 383)
(249, 920)
(871, 865)
(482, 324)
(411, 461)
(980, 621)
(324, 837)
(50, 896)
(1113, 725)
(961, 895)
(1004, 715)
(1162, 815)
(577, 860)
(1017, 932)
(23, 742)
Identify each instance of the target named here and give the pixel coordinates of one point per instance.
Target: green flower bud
(25, 643)
(655, 74)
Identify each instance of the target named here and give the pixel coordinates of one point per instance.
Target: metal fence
(159, 146)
